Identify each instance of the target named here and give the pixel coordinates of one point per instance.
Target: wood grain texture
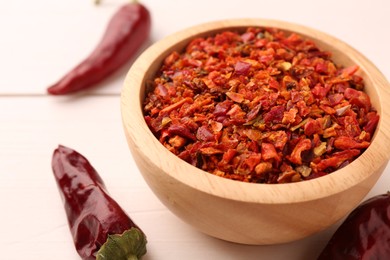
(42, 39)
(244, 212)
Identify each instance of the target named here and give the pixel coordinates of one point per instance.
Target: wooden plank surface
(42, 39)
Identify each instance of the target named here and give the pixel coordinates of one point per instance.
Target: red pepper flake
(236, 97)
(228, 155)
(210, 151)
(275, 115)
(242, 68)
(373, 120)
(358, 98)
(347, 142)
(174, 106)
(302, 145)
(262, 106)
(312, 127)
(204, 134)
(268, 152)
(335, 160)
(263, 167)
(181, 130)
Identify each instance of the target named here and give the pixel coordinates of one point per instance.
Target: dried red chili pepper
(365, 233)
(126, 32)
(99, 226)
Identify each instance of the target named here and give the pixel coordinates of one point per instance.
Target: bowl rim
(142, 140)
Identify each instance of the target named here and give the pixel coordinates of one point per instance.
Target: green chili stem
(131, 245)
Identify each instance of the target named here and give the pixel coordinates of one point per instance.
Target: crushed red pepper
(261, 106)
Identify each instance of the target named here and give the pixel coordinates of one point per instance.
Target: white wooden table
(41, 40)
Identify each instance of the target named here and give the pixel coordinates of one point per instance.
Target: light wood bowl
(251, 213)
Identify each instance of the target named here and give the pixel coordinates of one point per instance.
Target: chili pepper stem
(131, 245)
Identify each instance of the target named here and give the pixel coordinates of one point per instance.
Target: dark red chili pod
(127, 31)
(100, 228)
(365, 233)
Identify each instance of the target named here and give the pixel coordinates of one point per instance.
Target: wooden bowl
(251, 213)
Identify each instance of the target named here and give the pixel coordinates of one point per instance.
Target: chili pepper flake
(262, 106)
